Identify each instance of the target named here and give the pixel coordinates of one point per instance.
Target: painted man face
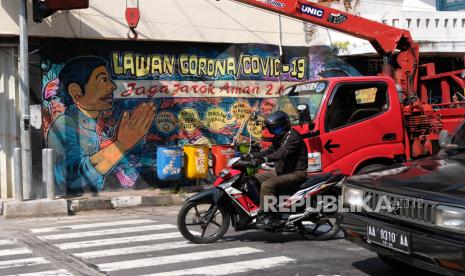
(99, 89)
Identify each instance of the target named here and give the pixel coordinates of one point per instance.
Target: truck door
(360, 122)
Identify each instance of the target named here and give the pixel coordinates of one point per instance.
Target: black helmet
(278, 123)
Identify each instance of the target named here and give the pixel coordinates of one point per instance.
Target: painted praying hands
(134, 126)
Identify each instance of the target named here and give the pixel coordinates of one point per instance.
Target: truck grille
(406, 208)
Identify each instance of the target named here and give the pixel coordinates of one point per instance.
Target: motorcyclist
(290, 156)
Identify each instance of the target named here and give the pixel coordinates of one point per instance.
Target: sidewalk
(103, 201)
(131, 198)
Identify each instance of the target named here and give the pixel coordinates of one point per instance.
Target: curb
(105, 203)
(35, 208)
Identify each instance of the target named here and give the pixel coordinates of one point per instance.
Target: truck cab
(349, 124)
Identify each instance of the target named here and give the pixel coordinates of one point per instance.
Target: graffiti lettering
(267, 106)
(196, 89)
(140, 66)
(188, 119)
(146, 89)
(255, 127)
(240, 110)
(204, 67)
(238, 90)
(143, 66)
(165, 121)
(215, 118)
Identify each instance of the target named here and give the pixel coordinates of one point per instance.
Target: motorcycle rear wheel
(203, 217)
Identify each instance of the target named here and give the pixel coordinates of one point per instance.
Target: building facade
(202, 66)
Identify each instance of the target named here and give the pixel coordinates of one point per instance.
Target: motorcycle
(234, 198)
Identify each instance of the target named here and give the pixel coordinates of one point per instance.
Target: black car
(412, 213)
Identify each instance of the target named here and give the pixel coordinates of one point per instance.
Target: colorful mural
(108, 108)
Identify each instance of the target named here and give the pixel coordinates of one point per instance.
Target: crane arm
(393, 43)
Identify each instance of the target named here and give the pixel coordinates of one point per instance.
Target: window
(352, 103)
(310, 94)
(450, 5)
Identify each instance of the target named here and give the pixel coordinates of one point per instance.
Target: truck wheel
(370, 167)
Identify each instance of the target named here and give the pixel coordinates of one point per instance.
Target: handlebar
(243, 164)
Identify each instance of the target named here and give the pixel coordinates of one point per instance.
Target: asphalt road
(147, 242)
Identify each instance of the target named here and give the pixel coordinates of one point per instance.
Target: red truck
(358, 124)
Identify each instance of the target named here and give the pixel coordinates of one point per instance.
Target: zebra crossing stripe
(113, 241)
(106, 232)
(23, 262)
(60, 272)
(14, 251)
(7, 242)
(171, 259)
(134, 250)
(230, 268)
(91, 225)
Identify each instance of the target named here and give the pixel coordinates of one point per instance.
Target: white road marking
(23, 262)
(106, 232)
(91, 225)
(7, 242)
(135, 249)
(113, 241)
(14, 251)
(230, 268)
(171, 259)
(60, 272)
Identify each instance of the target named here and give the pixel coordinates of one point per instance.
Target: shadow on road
(266, 237)
(374, 266)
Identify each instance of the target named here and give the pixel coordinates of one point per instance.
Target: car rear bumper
(427, 250)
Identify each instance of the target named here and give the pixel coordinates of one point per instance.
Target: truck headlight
(450, 217)
(352, 196)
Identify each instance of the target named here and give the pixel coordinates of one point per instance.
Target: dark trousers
(271, 183)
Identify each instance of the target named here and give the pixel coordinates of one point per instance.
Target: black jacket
(289, 153)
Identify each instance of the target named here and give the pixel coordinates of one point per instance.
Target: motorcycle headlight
(352, 196)
(450, 217)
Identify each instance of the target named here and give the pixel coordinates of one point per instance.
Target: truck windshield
(310, 94)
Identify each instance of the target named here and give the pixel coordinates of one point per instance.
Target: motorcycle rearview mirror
(305, 117)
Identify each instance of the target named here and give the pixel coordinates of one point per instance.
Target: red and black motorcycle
(206, 216)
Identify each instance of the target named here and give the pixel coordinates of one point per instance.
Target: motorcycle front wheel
(203, 222)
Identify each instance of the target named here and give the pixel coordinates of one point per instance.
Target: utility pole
(24, 107)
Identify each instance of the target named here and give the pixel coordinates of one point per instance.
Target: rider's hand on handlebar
(255, 162)
(247, 157)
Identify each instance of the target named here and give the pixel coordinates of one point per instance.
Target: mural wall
(107, 106)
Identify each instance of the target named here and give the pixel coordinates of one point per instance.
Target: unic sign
(313, 11)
